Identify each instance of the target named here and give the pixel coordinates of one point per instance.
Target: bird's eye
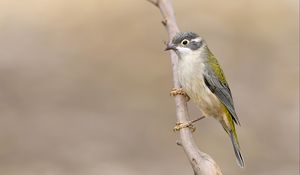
(184, 42)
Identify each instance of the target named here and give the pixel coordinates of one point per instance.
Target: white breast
(190, 74)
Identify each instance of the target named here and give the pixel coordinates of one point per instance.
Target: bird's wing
(215, 80)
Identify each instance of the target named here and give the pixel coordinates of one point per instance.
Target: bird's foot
(188, 124)
(180, 91)
(180, 125)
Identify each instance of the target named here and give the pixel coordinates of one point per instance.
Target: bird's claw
(180, 91)
(189, 124)
(180, 125)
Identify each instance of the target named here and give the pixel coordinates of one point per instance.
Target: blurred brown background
(84, 86)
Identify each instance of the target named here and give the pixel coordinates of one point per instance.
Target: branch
(201, 162)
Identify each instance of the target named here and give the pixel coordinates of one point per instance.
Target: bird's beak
(170, 46)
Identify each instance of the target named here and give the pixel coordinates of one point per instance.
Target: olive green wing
(215, 80)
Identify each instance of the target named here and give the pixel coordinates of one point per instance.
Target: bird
(203, 81)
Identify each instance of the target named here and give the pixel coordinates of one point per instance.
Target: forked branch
(201, 162)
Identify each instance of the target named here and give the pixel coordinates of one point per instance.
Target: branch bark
(201, 162)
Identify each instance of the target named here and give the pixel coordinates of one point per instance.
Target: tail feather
(236, 148)
(229, 127)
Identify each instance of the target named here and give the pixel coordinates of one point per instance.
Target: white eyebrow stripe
(196, 39)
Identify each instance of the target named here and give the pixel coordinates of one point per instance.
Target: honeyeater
(203, 81)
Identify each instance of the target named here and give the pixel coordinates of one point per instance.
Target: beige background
(84, 86)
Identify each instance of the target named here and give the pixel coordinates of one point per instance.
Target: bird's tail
(228, 125)
(236, 148)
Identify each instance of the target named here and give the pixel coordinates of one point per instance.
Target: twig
(201, 162)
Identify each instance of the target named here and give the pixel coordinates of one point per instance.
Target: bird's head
(186, 43)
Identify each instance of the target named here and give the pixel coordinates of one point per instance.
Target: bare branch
(201, 162)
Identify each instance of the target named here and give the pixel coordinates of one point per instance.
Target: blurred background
(84, 86)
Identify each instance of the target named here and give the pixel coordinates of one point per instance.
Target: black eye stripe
(194, 45)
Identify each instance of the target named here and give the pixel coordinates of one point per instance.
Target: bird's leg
(189, 124)
(197, 119)
(180, 91)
